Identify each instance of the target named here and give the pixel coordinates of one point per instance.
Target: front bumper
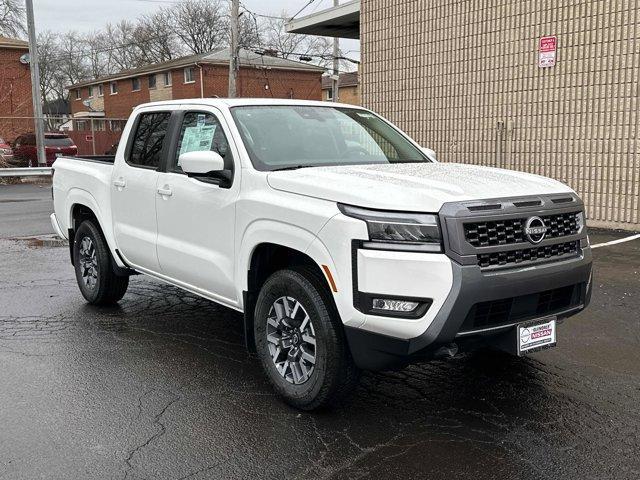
(473, 287)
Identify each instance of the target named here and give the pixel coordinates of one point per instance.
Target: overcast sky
(89, 15)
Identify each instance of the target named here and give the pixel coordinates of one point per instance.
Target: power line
(305, 6)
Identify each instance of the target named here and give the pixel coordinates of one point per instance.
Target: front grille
(534, 254)
(514, 309)
(511, 231)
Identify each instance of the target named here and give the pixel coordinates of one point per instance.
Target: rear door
(196, 217)
(133, 189)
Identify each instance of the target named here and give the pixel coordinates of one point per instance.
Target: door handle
(119, 183)
(165, 192)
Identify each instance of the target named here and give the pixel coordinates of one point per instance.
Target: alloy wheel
(88, 263)
(291, 340)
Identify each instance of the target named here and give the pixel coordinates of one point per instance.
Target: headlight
(398, 231)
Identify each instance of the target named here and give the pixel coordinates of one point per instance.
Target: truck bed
(95, 158)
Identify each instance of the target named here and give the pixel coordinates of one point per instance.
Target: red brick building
(197, 76)
(15, 89)
(103, 105)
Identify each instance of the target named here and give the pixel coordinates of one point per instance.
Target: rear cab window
(148, 141)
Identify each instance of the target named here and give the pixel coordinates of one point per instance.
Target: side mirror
(429, 153)
(201, 163)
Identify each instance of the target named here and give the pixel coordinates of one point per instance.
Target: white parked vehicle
(345, 244)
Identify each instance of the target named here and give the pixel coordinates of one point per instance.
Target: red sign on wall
(547, 48)
(88, 138)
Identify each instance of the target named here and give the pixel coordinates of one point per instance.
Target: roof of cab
(237, 102)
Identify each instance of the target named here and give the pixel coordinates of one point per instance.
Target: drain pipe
(201, 80)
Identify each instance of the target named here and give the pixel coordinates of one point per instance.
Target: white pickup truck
(343, 242)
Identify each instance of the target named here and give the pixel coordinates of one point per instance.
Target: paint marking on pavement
(614, 242)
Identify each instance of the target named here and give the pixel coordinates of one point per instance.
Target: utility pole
(34, 66)
(336, 63)
(234, 49)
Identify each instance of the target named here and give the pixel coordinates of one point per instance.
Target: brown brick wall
(121, 104)
(251, 83)
(462, 78)
(15, 95)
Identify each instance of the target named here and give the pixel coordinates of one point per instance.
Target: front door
(133, 190)
(196, 217)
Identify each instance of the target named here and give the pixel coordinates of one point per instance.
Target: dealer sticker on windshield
(538, 335)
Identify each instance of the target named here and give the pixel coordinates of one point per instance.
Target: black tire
(104, 287)
(334, 375)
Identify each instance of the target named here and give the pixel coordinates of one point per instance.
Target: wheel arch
(83, 206)
(265, 259)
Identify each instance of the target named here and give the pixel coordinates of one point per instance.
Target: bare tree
(294, 46)
(70, 60)
(12, 13)
(121, 50)
(202, 25)
(51, 81)
(156, 39)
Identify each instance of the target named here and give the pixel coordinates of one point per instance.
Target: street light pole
(34, 66)
(233, 49)
(336, 64)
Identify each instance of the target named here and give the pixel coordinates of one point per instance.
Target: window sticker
(197, 139)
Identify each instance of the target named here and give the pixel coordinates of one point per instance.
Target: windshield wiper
(293, 167)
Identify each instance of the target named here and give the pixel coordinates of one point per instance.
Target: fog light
(394, 305)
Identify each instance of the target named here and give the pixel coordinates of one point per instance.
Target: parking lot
(162, 387)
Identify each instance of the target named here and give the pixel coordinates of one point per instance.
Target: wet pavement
(161, 387)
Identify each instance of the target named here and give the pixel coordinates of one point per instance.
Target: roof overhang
(88, 115)
(342, 21)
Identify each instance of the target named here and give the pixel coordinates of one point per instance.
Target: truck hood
(411, 186)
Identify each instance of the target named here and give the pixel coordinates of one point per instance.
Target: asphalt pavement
(25, 210)
(162, 387)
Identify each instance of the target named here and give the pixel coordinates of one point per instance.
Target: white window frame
(111, 88)
(168, 80)
(330, 94)
(90, 91)
(133, 80)
(155, 77)
(78, 94)
(189, 69)
(100, 90)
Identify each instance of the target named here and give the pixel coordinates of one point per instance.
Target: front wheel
(96, 279)
(300, 340)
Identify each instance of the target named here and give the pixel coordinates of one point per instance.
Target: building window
(116, 125)
(79, 94)
(114, 88)
(188, 75)
(81, 125)
(167, 79)
(330, 94)
(152, 81)
(91, 91)
(100, 90)
(99, 125)
(135, 84)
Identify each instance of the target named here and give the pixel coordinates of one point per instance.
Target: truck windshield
(282, 137)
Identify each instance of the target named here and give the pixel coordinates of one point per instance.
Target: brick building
(348, 88)
(196, 76)
(463, 77)
(15, 89)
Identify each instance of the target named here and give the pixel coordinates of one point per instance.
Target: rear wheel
(300, 340)
(94, 272)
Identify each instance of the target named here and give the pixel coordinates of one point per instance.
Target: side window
(202, 132)
(149, 139)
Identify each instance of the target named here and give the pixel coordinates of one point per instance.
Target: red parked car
(55, 145)
(6, 154)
